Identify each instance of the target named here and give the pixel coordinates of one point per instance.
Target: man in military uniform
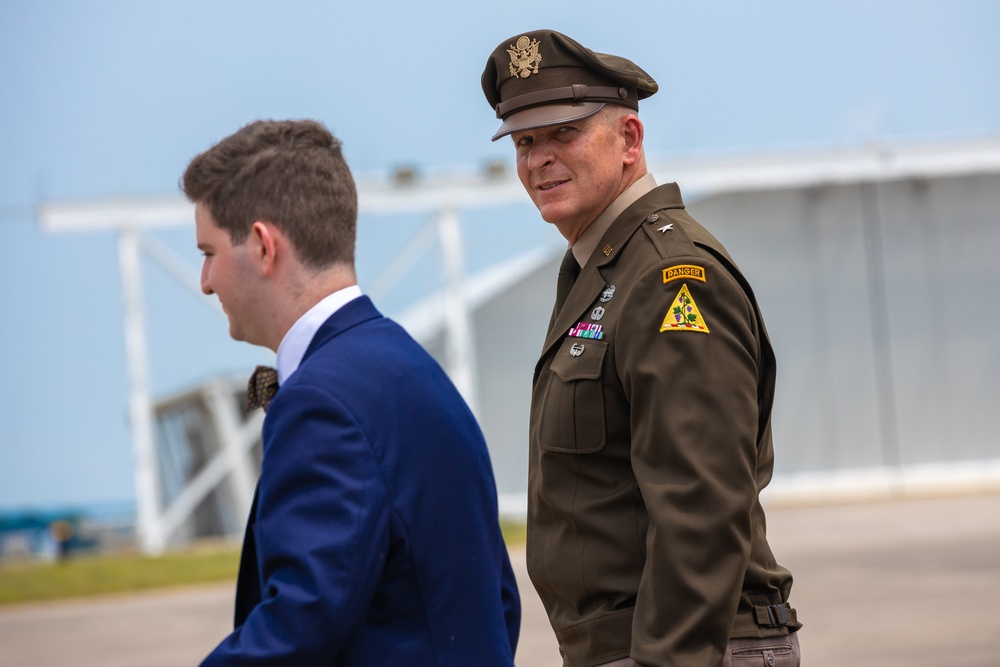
(651, 403)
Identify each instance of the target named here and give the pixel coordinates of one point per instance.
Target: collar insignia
(524, 57)
(684, 314)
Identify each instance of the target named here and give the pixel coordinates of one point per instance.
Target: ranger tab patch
(684, 314)
(684, 271)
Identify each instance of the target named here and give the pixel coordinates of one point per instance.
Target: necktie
(262, 387)
(568, 272)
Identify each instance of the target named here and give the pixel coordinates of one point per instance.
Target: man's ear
(267, 241)
(633, 132)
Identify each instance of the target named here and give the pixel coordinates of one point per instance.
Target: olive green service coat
(650, 442)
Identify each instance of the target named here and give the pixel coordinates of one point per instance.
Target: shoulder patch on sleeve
(683, 271)
(684, 314)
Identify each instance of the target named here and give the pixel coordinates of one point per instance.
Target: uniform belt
(774, 615)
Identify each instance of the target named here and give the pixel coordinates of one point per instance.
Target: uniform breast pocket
(572, 411)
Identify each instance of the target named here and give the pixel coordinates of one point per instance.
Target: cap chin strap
(577, 92)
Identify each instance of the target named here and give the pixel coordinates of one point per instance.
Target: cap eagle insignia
(524, 57)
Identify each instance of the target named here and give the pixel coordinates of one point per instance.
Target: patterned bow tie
(262, 387)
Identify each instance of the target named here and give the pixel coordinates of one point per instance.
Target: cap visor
(548, 114)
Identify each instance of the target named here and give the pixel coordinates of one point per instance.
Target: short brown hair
(290, 173)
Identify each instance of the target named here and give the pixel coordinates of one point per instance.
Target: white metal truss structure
(446, 196)
(207, 460)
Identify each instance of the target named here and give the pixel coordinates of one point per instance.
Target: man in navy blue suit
(374, 537)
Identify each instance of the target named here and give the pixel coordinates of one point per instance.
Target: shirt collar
(591, 236)
(293, 346)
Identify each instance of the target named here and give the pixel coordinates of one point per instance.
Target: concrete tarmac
(911, 583)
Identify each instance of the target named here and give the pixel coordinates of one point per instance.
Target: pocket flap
(579, 359)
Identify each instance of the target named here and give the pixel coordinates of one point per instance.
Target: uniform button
(653, 217)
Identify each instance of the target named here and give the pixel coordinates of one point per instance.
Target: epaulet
(670, 231)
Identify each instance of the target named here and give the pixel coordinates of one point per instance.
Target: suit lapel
(586, 287)
(248, 594)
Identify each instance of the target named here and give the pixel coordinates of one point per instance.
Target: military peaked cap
(545, 78)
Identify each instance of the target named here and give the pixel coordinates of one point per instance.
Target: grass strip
(101, 573)
(98, 574)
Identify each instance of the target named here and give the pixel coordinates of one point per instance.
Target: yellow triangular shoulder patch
(684, 314)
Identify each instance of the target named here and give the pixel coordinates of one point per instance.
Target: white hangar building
(877, 274)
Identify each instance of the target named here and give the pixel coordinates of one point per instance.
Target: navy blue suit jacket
(374, 537)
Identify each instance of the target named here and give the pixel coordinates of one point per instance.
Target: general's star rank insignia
(684, 314)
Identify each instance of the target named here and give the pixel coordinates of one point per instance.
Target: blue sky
(104, 98)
